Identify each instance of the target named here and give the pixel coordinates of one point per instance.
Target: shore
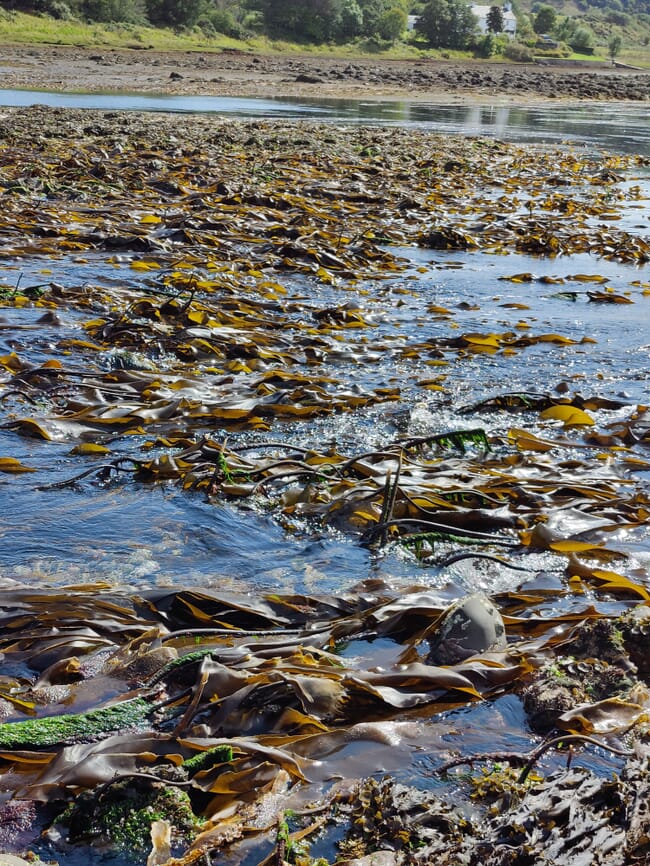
(178, 287)
(233, 73)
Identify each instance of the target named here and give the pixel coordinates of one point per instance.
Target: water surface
(620, 127)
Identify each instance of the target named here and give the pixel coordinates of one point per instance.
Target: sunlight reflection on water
(140, 536)
(619, 127)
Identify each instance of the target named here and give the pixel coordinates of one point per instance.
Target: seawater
(618, 127)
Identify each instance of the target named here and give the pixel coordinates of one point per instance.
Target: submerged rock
(470, 626)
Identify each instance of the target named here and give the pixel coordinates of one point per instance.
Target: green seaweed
(208, 759)
(73, 728)
(181, 662)
(419, 539)
(457, 439)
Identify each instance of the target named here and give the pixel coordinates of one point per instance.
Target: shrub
(486, 46)
(622, 19)
(582, 40)
(115, 11)
(518, 52)
(219, 21)
(55, 8)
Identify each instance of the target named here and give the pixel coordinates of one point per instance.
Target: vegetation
(614, 46)
(255, 261)
(495, 19)
(587, 27)
(71, 728)
(307, 21)
(545, 19)
(569, 27)
(121, 815)
(447, 24)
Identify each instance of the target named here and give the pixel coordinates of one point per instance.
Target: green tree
(310, 20)
(494, 20)
(583, 40)
(575, 34)
(614, 46)
(545, 19)
(373, 10)
(174, 13)
(391, 24)
(447, 23)
(350, 21)
(129, 11)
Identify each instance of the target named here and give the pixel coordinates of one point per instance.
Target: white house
(509, 21)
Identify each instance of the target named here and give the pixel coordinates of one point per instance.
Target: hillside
(585, 27)
(627, 19)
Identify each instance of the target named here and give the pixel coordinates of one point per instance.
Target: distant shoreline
(235, 73)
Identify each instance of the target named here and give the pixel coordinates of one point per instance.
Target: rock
(377, 858)
(470, 626)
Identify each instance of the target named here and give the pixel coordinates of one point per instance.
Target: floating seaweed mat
(293, 216)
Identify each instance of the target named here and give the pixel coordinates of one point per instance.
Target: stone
(471, 626)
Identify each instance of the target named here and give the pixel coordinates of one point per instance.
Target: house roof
(483, 11)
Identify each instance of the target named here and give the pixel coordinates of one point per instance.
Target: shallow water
(618, 127)
(135, 535)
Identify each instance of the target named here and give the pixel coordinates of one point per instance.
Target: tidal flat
(416, 362)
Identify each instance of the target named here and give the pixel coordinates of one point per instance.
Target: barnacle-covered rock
(634, 629)
(121, 816)
(414, 825)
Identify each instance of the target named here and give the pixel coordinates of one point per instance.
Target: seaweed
(208, 759)
(74, 728)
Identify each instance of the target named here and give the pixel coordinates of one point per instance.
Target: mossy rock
(121, 816)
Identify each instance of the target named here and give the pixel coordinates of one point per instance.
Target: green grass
(634, 57)
(17, 28)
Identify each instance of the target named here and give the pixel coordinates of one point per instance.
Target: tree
(174, 13)
(310, 20)
(350, 21)
(494, 20)
(575, 34)
(545, 19)
(391, 24)
(614, 46)
(447, 23)
(582, 40)
(373, 10)
(115, 11)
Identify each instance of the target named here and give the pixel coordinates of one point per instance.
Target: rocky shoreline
(234, 73)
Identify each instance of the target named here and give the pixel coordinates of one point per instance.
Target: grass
(633, 57)
(17, 28)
